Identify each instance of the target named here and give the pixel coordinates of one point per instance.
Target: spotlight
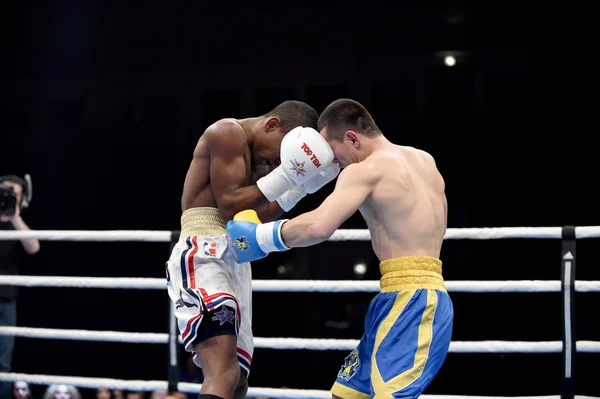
(449, 60)
(360, 268)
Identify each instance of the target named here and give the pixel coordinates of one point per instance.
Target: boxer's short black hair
(346, 114)
(294, 113)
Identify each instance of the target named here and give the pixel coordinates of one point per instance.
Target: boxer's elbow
(227, 212)
(229, 205)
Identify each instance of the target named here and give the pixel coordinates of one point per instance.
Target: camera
(8, 200)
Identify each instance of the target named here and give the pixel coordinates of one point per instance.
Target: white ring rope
(141, 385)
(296, 343)
(153, 385)
(296, 285)
(279, 286)
(480, 233)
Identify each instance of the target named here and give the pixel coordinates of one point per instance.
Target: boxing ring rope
(295, 343)
(567, 286)
(296, 285)
(471, 233)
(139, 385)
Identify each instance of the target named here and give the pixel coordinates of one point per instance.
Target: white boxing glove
(290, 198)
(304, 154)
(325, 176)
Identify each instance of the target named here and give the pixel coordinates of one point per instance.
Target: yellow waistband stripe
(202, 221)
(411, 272)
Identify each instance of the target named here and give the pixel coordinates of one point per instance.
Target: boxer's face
(342, 149)
(266, 147)
(265, 154)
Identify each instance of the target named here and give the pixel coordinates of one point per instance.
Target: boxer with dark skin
(212, 294)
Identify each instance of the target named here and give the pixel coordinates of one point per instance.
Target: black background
(103, 103)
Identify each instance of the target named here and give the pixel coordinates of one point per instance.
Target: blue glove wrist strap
(268, 236)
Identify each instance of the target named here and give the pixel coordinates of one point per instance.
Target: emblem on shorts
(223, 316)
(298, 167)
(180, 303)
(350, 364)
(241, 243)
(210, 249)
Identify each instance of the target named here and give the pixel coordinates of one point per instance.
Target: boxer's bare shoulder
(225, 133)
(400, 163)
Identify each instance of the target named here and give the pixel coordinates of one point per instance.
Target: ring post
(568, 310)
(173, 371)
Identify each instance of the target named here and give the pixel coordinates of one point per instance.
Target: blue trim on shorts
(184, 280)
(220, 301)
(243, 362)
(193, 332)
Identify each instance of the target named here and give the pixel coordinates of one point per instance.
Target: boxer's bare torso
(400, 194)
(222, 165)
(406, 212)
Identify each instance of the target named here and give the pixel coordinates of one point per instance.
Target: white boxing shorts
(204, 280)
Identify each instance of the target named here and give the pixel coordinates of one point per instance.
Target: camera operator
(15, 195)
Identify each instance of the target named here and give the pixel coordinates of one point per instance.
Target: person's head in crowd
(62, 391)
(135, 395)
(160, 394)
(102, 393)
(21, 390)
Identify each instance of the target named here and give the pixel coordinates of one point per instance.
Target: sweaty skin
(399, 193)
(224, 169)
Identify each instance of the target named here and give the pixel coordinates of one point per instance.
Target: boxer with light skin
(401, 196)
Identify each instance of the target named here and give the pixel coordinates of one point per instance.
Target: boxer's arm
(352, 188)
(227, 147)
(269, 212)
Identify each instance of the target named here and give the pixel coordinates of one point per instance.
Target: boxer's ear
(352, 138)
(272, 124)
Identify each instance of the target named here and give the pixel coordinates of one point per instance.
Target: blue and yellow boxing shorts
(408, 329)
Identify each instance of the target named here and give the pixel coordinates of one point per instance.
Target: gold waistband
(411, 272)
(201, 222)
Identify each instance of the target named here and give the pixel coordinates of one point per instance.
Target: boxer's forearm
(269, 212)
(240, 199)
(306, 230)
